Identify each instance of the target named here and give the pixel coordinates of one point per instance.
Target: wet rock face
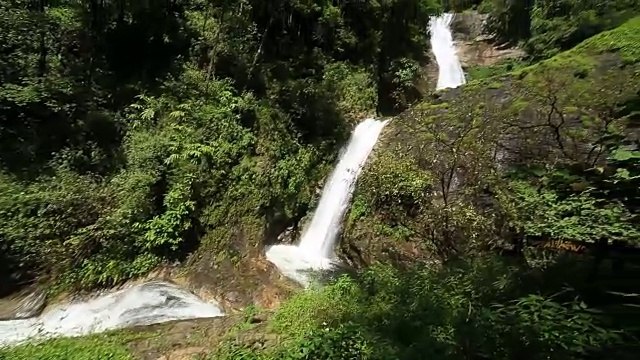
(468, 25)
(26, 304)
(482, 52)
(236, 283)
(289, 236)
(475, 47)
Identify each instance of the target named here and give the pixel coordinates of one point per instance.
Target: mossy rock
(430, 187)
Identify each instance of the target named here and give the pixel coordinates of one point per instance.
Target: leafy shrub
(311, 309)
(477, 308)
(544, 213)
(353, 88)
(398, 186)
(344, 341)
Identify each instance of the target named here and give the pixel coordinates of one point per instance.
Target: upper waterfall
(450, 74)
(315, 250)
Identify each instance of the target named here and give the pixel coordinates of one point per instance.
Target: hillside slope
(442, 179)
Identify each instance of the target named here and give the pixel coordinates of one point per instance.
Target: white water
(145, 304)
(315, 251)
(450, 74)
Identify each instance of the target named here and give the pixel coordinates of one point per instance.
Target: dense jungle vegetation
(132, 129)
(498, 220)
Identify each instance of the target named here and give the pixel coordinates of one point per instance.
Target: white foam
(316, 248)
(144, 304)
(450, 73)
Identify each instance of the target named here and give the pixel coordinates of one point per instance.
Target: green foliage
(570, 329)
(531, 159)
(560, 26)
(354, 89)
(412, 186)
(359, 208)
(461, 5)
(623, 40)
(398, 186)
(508, 20)
(545, 213)
(344, 341)
(315, 308)
(92, 348)
(549, 157)
(131, 131)
(481, 308)
(144, 210)
(496, 70)
(549, 27)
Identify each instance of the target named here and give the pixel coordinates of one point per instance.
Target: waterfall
(320, 237)
(145, 304)
(450, 74)
(157, 302)
(315, 251)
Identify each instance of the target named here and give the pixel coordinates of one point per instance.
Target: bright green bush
(478, 308)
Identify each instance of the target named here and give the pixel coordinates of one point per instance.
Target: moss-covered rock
(433, 183)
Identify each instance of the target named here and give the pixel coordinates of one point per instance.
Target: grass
(99, 347)
(484, 72)
(113, 345)
(623, 40)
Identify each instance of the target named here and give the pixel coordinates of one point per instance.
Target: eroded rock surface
(181, 340)
(476, 48)
(25, 304)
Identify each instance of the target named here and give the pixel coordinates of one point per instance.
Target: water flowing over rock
(450, 73)
(315, 251)
(23, 305)
(145, 304)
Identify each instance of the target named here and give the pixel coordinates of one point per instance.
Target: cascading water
(450, 74)
(315, 251)
(145, 304)
(157, 302)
